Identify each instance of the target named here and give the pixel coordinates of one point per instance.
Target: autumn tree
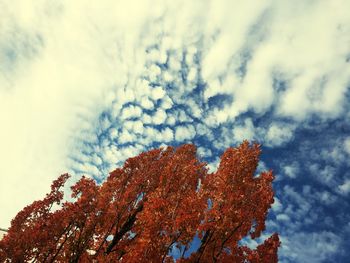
(157, 202)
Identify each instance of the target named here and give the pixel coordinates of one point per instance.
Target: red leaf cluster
(158, 200)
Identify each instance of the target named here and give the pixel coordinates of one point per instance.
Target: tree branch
(125, 228)
(226, 239)
(207, 236)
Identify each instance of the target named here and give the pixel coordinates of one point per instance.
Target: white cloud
(324, 174)
(146, 119)
(278, 134)
(291, 170)
(129, 151)
(299, 204)
(283, 217)
(167, 76)
(347, 145)
(153, 74)
(62, 64)
(113, 133)
(175, 63)
(167, 135)
(131, 112)
(45, 95)
(171, 120)
(213, 166)
(157, 93)
(182, 116)
(87, 169)
(147, 103)
(303, 43)
(110, 155)
(204, 152)
(97, 159)
(184, 133)
(345, 187)
(310, 247)
(244, 132)
(326, 197)
(233, 23)
(201, 129)
(134, 126)
(277, 206)
(126, 136)
(167, 103)
(159, 117)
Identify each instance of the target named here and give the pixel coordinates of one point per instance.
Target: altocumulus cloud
(84, 86)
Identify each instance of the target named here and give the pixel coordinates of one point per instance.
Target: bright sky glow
(84, 85)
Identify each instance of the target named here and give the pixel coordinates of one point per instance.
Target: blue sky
(84, 86)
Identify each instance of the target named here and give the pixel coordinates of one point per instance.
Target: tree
(157, 202)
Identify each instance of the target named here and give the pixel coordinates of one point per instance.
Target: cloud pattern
(83, 87)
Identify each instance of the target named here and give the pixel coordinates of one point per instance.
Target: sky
(86, 84)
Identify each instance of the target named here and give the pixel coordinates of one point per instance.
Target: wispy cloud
(84, 86)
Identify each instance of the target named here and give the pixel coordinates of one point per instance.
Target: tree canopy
(157, 203)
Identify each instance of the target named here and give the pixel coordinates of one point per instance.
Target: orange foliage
(156, 201)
